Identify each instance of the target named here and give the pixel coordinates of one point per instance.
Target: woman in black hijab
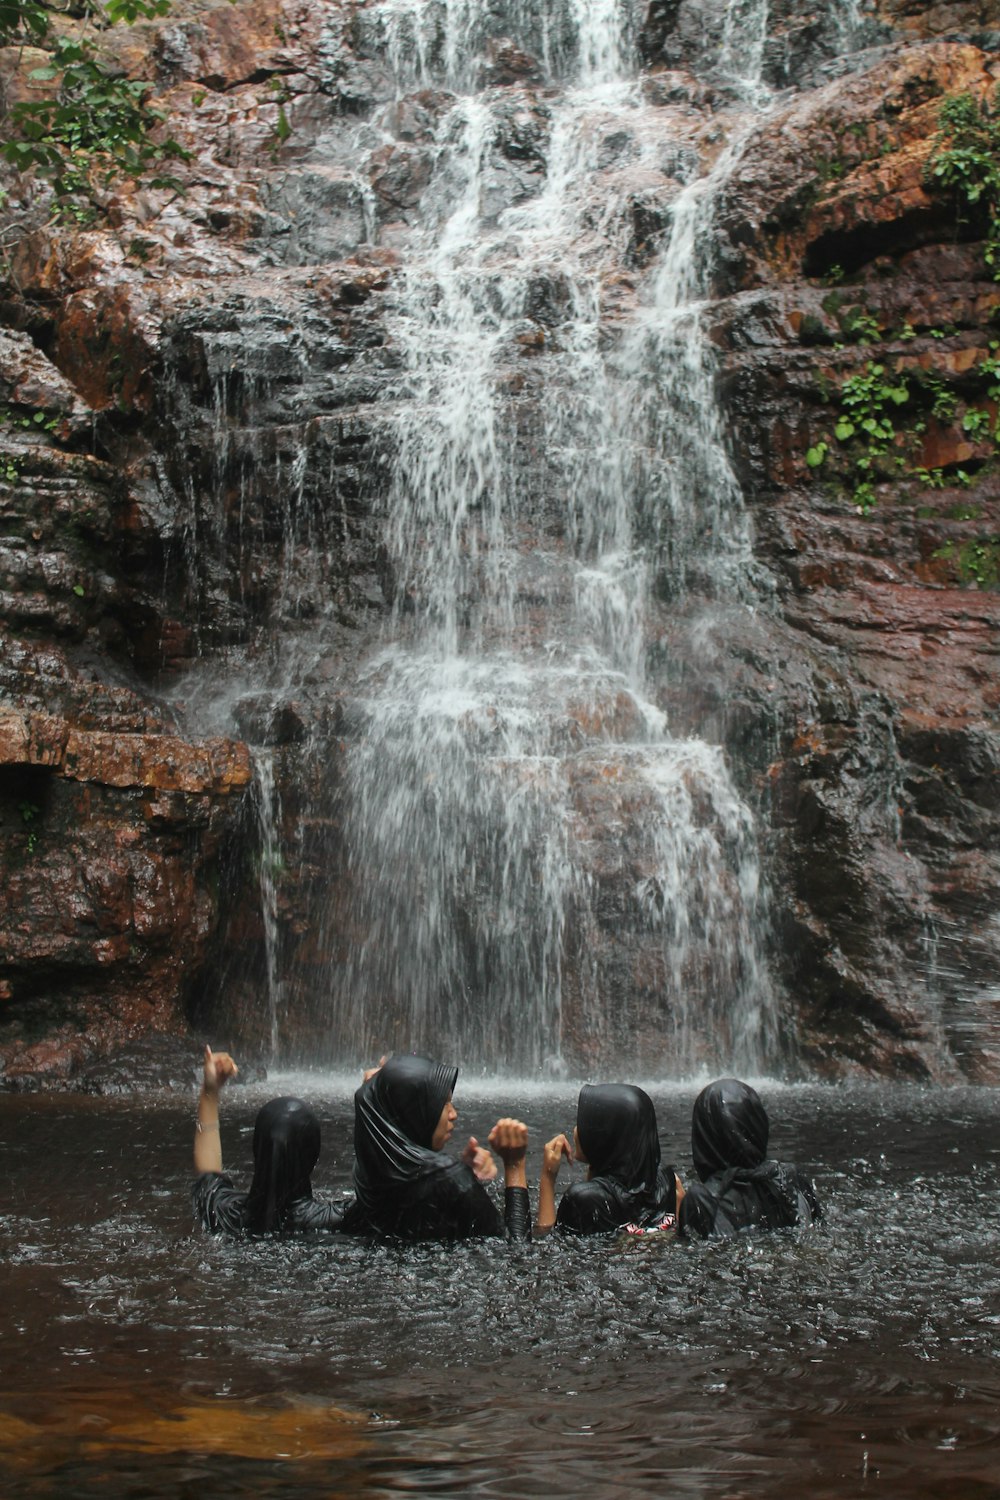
(626, 1187)
(405, 1185)
(739, 1188)
(286, 1144)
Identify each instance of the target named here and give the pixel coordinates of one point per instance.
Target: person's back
(739, 1188)
(626, 1187)
(286, 1146)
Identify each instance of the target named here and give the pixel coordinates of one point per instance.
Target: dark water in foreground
(140, 1358)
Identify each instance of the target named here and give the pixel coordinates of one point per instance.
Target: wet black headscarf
(286, 1141)
(729, 1128)
(395, 1115)
(616, 1123)
(739, 1188)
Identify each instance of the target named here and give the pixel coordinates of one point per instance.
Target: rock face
(196, 487)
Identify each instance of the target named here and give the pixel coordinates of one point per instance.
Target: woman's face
(444, 1126)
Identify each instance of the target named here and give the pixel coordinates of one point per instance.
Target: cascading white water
(536, 867)
(269, 823)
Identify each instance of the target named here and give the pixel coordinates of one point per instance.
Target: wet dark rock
(507, 63)
(212, 368)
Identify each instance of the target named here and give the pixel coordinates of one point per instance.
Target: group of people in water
(407, 1187)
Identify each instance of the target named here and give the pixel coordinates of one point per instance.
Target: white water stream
(539, 871)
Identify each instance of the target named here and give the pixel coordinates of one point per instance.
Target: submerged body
(739, 1188)
(286, 1146)
(285, 1149)
(626, 1186)
(405, 1185)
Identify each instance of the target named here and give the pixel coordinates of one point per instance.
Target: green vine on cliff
(865, 425)
(97, 124)
(966, 160)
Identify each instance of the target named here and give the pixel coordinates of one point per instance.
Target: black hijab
(739, 1188)
(395, 1115)
(729, 1128)
(285, 1149)
(616, 1123)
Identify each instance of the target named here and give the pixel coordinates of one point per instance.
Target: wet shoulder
(588, 1208)
(218, 1206)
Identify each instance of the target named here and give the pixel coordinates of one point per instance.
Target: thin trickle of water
(741, 57)
(268, 805)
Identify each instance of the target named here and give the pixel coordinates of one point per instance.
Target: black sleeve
(667, 1201)
(586, 1208)
(313, 1215)
(808, 1201)
(697, 1212)
(217, 1205)
(517, 1213)
(475, 1213)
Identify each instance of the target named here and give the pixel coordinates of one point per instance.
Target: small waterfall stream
(539, 872)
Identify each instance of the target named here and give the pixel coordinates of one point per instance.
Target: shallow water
(142, 1358)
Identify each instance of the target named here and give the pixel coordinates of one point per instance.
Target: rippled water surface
(142, 1358)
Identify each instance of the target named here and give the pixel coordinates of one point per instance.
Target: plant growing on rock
(865, 423)
(966, 160)
(97, 124)
(977, 560)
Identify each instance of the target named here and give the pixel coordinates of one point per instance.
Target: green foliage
(866, 401)
(131, 11)
(30, 812)
(859, 324)
(978, 560)
(864, 426)
(864, 496)
(95, 125)
(966, 161)
(976, 422)
(39, 421)
(989, 368)
(933, 479)
(944, 401)
(22, 20)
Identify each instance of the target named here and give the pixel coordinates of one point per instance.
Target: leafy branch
(96, 125)
(967, 161)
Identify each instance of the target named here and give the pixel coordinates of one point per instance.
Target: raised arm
(218, 1068)
(555, 1152)
(509, 1139)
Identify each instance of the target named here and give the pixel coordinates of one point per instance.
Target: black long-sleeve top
(450, 1204)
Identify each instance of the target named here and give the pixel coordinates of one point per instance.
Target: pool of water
(142, 1358)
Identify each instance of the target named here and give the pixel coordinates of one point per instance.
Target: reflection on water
(141, 1358)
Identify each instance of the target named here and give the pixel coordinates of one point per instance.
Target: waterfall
(538, 872)
(268, 804)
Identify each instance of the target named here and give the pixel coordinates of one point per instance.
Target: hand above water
(370, 1072)
(553, 1153)
(219, 1067)
(479, 1159)
(509, 1139)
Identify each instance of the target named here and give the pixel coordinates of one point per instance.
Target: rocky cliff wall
(193, 453)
